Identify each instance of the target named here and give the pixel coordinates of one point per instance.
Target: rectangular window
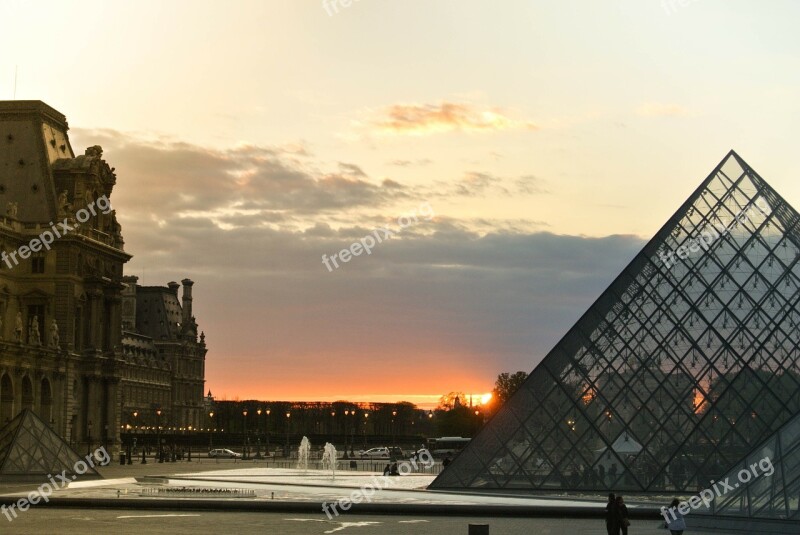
(37, 263)
(78, 327)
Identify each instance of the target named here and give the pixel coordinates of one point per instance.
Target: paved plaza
(81, 521)
(274, 487)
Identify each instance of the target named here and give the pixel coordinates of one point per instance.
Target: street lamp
(158, 435)
(258, 436)
(366, 417)
(394, 430)
(346, 425)
(266, 453)
(211, 431)
(246, 449)
(353, 433)
(144, 452)
(286, 447)
(190, 444)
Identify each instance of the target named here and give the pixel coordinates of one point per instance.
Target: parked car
(374, 453)
(224, 453)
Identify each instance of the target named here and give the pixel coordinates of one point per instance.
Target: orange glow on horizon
(421, 385)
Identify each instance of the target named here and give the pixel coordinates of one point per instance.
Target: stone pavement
(111, 522)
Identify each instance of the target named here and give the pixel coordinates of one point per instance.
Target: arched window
(46, 401)
(6, 399)
(27, 393)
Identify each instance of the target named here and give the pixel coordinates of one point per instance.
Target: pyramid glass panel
(678, 369)
(766, 482)
(29, 447)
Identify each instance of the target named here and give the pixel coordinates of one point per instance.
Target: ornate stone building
(166, 361)
(63, 352)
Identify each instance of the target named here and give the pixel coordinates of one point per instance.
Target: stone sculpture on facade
(54, 337)
(34, 336)
(63, 203)
(18, 327)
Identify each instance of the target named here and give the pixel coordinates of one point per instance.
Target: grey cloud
(167, 177)
(475, 183)
(480, 294)
(409, 163)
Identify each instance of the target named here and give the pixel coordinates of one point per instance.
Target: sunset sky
(549, 140)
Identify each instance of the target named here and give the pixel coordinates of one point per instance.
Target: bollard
(478, 529)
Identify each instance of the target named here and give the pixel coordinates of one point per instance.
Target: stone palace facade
(86, 348)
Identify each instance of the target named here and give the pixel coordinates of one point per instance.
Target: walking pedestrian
(676, 524)
(612, 515)
(623, 516)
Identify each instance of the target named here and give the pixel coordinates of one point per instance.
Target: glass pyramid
(28, 447)
(683, 364)
(772, 488)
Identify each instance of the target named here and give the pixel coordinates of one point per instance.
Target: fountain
(302, 454)
(329, 459)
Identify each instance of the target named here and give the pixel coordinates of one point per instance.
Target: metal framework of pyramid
(678, 370)
(28, 447)
(765, 495)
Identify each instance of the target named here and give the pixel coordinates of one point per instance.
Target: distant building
(63, 297)
(166, 360)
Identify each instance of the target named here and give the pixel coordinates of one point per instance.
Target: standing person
(623, 515)
(677, 524)
(612, 515)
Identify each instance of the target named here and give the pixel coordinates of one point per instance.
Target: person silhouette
(612, 515)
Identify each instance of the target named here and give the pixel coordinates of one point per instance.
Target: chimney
(173, 286)
(187, 300)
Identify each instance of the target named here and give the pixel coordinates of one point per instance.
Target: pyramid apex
(678, 368)
(30, 447)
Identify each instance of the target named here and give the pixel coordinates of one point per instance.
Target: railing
(343, 465)
(196, 492)
(96, 235)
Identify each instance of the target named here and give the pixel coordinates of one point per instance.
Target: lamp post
(394, 430)
(211, 431)
(258, 434)
(158, 436)
(135, 426)
(286, 446)
(131, 443)
(266, 453)
(346, 424)
(246, 449)
(366, 417)
(189, 459)
(353, 433)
